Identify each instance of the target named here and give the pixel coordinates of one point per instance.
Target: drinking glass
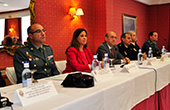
(111, 62)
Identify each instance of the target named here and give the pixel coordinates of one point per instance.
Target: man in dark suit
(110, 47)
(40, 56)
(151, 42)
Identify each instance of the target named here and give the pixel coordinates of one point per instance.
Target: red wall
(159, 21)
(53, 15)
(99, 17)
(130, 7)
(6, 60)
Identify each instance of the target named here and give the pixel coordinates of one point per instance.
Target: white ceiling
(154, 2)
(13, 5)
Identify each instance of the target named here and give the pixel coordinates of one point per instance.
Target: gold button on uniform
(45, 69)
(46, 64)
(35, 65)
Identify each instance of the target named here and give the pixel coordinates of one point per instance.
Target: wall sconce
(11, 30)
(73, 12)
(79, 12)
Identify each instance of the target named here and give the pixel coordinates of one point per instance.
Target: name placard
(131, 68)
(151, 61)
(35, 93)
(164, 57)
(98, 74)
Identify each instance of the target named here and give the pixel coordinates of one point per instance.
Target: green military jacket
(42, 61)
(155, 50)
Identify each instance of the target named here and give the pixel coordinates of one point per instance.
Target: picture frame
(129, 23)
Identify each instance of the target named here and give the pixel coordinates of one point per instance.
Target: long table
(119, 91)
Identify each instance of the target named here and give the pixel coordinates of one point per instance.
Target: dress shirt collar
(37, 46)
(133, 43)
(108, 46)
(125, 45)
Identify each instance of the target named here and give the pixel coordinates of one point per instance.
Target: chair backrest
(10, 73)
(61, 65)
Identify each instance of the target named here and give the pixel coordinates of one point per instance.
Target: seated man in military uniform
(151, 42)
(134, 46)
(40, 56)
(124, 47)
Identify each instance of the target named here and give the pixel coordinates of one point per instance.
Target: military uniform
(42, 61)
(126, 52)
(155, 50)
(134, 51)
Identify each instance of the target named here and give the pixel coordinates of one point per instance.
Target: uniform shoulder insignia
(134, 49)
(149, 41)
(46, 45)
(22, 46)
(125, 52)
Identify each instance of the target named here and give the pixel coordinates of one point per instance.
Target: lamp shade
(79, 12)
(72, 11)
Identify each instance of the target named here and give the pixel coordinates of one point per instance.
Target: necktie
(112, 52)
(40, 49)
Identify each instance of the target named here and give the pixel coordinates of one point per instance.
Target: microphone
(121, 66)
(167, 42)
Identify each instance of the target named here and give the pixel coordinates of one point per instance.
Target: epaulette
(46, 45)
(24, 45)
(150, 42)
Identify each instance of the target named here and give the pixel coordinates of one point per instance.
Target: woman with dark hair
(79, 56)
(8, 41)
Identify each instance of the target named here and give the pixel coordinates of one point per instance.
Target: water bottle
(95, 63)
(26, 75)
(106, 61)
(163, 50)
(150, 55)
(140, 56)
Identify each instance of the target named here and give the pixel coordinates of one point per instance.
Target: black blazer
(126, 52)
(135, 50)
(103, 48)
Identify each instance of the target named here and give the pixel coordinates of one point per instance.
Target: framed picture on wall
(129, 23)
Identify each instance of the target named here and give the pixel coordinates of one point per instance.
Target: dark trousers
(2, 81)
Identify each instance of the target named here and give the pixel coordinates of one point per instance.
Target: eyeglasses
(113, 37)
(38, 31)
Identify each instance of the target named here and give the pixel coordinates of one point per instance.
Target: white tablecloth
(120, 91)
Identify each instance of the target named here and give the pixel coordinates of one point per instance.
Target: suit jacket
(126, 52)
(155, 50)
(135, 50)
(103, 48)
(75, 61)
(43, 62)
